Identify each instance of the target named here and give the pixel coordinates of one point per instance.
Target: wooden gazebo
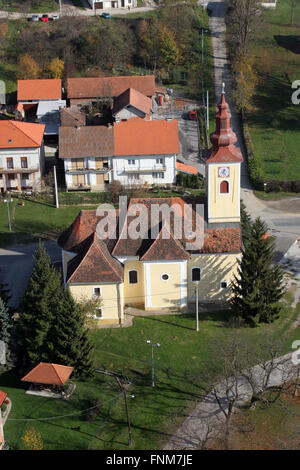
(50, 376)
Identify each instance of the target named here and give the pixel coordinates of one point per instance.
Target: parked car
(105, 15)
(35, 18)
(192, 115)
(45, 18)
(55, 16)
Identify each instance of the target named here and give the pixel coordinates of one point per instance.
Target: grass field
(274, 123)
(154, 413)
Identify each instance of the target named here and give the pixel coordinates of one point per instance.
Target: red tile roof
(165, 248)
(3, 395)
(45, 373)
(72, 117)
(18, 134)
(139, 137)
(94, 263)
(81, 88)
(132, 97)
(45, 89)
(184, 168)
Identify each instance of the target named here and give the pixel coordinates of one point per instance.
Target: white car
(35, 18)
(55, 16)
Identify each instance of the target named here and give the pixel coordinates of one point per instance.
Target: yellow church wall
(133, 293)
(165, 294)
(215, 268)
(224, 207)
(109, 299)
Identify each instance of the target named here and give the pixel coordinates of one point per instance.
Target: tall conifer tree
(257, 287)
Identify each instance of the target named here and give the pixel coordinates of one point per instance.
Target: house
(21, 156)
(145, 152)
(132, 152)
(107, 4)
(3, 397)
(72, 117)
(41, 100)
(86, 152)
(161, 252)
(82, 91)
(131, 103)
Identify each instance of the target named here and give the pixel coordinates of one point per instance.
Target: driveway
(177, 108)
(16, 263)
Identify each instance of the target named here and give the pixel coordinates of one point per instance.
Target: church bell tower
(223, 170)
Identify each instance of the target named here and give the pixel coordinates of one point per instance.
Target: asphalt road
(16, 263)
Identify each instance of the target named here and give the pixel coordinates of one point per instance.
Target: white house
(134, 152)
(107, 4)
(21, 156)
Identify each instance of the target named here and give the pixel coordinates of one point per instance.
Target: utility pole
(55, 186)
(197, 307)
(207, 110)
(123, 390)
(152, 346)
(8, 213)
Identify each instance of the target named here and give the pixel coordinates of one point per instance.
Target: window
(98, 313)
(11, 176)
(131, 162)
(196, 274)
(165, 277)
(10, 163)
(96, 292)
(158, 174)
(133, 177)
(25, 176)
(224, 187)
(24, 163)
(223, 284)
(133, 277)
(160, 161)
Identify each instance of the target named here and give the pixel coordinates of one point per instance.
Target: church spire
(223, 139)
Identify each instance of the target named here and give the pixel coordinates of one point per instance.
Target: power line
(61, 416)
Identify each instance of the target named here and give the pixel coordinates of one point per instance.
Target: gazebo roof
(3, 395)
(45, 373)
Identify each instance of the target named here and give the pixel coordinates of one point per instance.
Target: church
(159, 265)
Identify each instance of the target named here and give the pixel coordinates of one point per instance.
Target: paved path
(208, 415)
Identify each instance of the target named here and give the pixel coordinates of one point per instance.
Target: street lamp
(152, 348)
(8, 213)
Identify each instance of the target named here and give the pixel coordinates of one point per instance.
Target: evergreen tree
(37, 315)
(246, 223)
(257, 288)
(6, 335)
(69, 334)
(4, 292)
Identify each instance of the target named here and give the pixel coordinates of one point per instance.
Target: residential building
(131, 103)
(82, 91)
(21, 156)
(41, 100)
(157, 266)
(108, 4)
(134, 152)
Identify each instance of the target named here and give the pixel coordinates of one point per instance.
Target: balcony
(79, 171)
(144, 169)
(19, 170)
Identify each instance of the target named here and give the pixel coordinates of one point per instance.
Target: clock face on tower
(223, 171)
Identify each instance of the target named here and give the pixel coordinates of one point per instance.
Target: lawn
(274, 123)
(154, 413)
